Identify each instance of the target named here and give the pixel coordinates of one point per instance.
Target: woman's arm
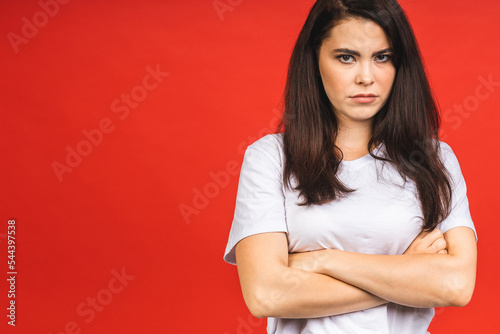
(417, 280)
(273, 289)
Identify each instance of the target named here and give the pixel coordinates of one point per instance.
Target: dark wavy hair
(407, 124)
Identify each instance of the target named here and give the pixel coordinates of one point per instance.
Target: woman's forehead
(358, 34)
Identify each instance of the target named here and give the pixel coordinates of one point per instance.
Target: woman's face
(355, 63)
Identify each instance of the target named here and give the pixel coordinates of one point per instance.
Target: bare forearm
(273, 288)
(418, 280)
(301, 294)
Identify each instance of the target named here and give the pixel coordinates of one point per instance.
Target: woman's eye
(346, 58)
(383, 58)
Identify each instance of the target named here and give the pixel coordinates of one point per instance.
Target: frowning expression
(357, 71)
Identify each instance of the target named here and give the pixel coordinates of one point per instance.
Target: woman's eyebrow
(348, 51)
(356, 53)
(384, 51)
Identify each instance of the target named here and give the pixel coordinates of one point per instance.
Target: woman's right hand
(428, 243)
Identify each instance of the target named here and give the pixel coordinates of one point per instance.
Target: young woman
(355, 219)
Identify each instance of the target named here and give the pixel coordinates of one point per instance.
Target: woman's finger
(430, 238)
(438, 245)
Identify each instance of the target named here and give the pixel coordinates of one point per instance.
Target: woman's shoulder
(450, 161)
(446, 153)
(267, 149)
(271, 144)
(444, 147)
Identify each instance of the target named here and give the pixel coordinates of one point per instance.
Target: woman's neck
(353, 141)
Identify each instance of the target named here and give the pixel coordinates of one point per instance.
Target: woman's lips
(364, 98)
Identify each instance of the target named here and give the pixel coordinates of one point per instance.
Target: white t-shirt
(380, 217)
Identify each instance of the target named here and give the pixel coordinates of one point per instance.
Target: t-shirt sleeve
(460, 214)
(259, 201)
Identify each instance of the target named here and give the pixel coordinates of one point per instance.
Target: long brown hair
(407, 124)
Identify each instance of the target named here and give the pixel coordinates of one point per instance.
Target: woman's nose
(365, 74)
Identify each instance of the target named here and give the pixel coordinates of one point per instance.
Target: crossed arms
(436, 270)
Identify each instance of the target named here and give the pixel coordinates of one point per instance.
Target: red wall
(157, 99)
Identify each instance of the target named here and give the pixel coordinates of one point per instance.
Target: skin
(281, 285)
(436, 269)
(356, 59)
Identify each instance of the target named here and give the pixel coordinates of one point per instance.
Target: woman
(355, 219)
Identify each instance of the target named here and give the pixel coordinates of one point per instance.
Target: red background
(120, 207)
